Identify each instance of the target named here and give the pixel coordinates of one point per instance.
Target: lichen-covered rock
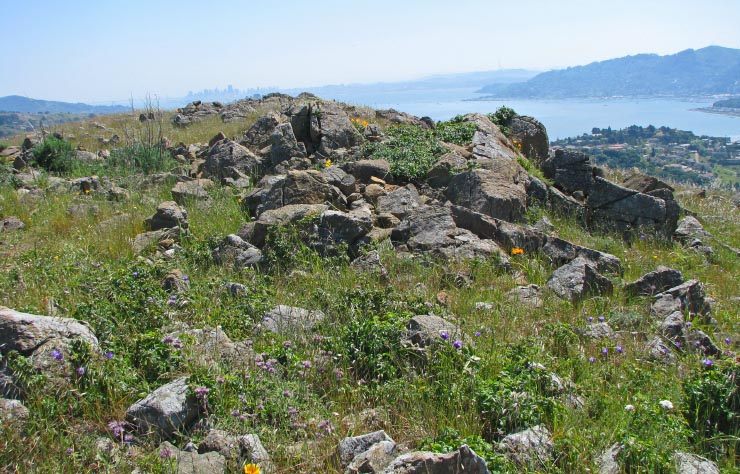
(422, 462)
(233, 251)
(288, 320)
(350, 447)
(169, 214)
(687, 463)
(500, 194)
(427, 329)
(165, 411)
(195, 190)
(399, 202)
(189, 462)
(12, 410)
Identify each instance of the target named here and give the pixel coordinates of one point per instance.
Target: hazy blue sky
(98, 50)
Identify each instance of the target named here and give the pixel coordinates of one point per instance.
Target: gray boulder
(422, 462)
(350, 447)
(427, 329)
(227, 154)
(376, 458)
(221, 442)
(296, 187)
(189, 462)
(165, 411)
(532, 447)
(532, 136)
(688, 296)
(363, 170)
(253, 451)
(169, 214)
(527, 295)
(571, 171)
(235, 252)
(195, 190)
(657, 281)
(399, 202)
(578, 280)
(659, 351)
(689, 229)
(260, 133)
(607, 461)
(290, 320)
(448, 165)
(687, 463)
(344, 181)
(500, 194)
(255, 232)
(284, 145)
(598, 331)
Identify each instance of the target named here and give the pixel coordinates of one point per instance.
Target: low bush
(54, 155)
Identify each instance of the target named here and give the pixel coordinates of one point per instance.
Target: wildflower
(287, 394)
(221, 380)
(57, 354)
(590, 319)
(177, 344)
(201, 393)
(666, 404)
(167, 339)
(287, 344)
(688, 324)
(728, 340)
(620, 349)
(444, 335)
(517, 251)
(477, 334)
(605, 351)
(134, 274)
(601, 319)
(81, 371)
(165, 453)
(56, 258)
(117, 428)
(69, 451)
(592, 359)
(235, 413)
(707, 362)
(457, 344)
(251, 469)
(339, 373)
(109, 355)
(629, 408)
(643, 237)
(327, 163)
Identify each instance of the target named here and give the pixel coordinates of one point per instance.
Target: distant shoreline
(730, 112)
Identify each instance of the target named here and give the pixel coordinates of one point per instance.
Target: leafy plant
(456, 130)
(502, 118)
(713, 399)
(54, 154)
(140, 157)
(449, 440)
(411, 151)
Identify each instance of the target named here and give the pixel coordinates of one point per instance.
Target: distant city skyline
(93, 51)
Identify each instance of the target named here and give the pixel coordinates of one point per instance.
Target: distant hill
(26, 105)
(707, 71)
(733, 103)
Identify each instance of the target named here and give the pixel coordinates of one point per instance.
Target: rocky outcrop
(290, 320)
(687, 463)
(225, 158)
(189, 462)
(296, 187)
(531, 136)
(427, 329)
(234, 252)
(652, 283)
(532, 447)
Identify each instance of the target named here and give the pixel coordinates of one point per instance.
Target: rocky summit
(293, 284)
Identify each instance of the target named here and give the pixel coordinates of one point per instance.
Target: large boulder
(570, 170)
(688, 296)
(497, 193)
(336, 227)
(284, 145)
(652, 283)
(165, 411)
(350, 447)
(364, 170)
(331, 128)
(687, 463)
(400, 201)
(226, 154)
(427, 329)
(189, 462)
(296, 187)
(256, 232)
(233, 251)
(532, 138)
(336, 176)
(260, 133)
(578, 280)
(46, 341)
(195, 190)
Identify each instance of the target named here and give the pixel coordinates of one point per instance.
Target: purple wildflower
(306, 364)
(444, 335)
(605, 351)
(201, 393)
(601, 319)
(167, 339)
(176, 344)
(109, 355)
(688, 324)
(287, 394)
(69, 451)
(620, 349)
(728, 340)
(477, 334)
(235, 413)
(165, 453)
(590, 319)
(592, 359)
(287, 344)
(57, 354)
(134, 274)
(707, 362)
(81, 371)
(457, 344)
(117, 428)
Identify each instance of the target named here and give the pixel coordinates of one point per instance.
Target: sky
(108, 50)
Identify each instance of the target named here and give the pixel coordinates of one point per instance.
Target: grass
(84, 267)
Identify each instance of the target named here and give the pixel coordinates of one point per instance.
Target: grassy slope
(358, 364)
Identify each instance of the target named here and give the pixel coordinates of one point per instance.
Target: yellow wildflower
(364, 123)
(517, 251)
(327, 163)
(251, 469)
(56, 258)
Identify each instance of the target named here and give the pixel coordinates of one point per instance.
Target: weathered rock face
(297, 187)
(644, 183)
(364, 170)
(577, 280)
(284, 145)
(331, 128)
(226, 154)
(662, 279)
(399, 202)
(255, 232)
(497, 193)
(336, 176)
(289, 320)
(165, 411)
(571, 171)
(530, 447)
(348, 448)
(448, 165)
(688, 229)
(195, 190)
(336, 227)
(169, 214)
(259, 134)
(10, 224)
(235, 252)
(422, 462)
(12, 410)
(607, 461)
(688, 296)
(532, 136)
(192, 462)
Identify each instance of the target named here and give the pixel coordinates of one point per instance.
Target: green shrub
(713, 399)
(411, 151)
(4, 145)
(502, 118)
(456, 130)
(54, 154)
(517, 398)
(449, 440)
